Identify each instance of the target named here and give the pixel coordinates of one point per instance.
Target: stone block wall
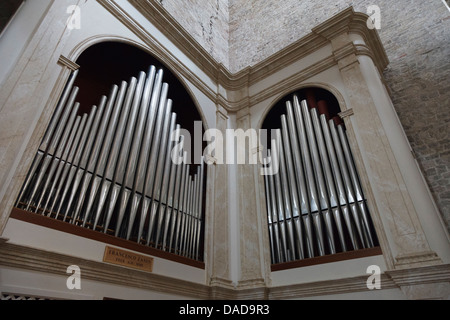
(241, 33)
(207, 21)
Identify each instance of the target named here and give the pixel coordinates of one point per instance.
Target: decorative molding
(158, 16)
(21, 257)
(347, 113)
(222, 112)
(349, 21)
(222, 283)
(59, 225)
(328, 287)
(251, 284)
(344, 51)
(68, 63)
(418, 258)
(243, 114)
(292, 81)
(172, 29)
(421, 275)
(431, 282)
(346, 21)
(25, 258)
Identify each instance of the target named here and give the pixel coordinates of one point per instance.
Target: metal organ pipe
(364, 215)
(340, 189)
(315, 203)
(49, 135)
(111, 169)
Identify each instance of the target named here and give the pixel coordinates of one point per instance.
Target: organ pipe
(315, 203)
(111, 169)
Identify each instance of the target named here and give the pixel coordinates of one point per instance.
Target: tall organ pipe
(364, 215)
(71, 166)
(301, 118)
(53, 146)
(315, 203)
(82, 167)
(88, 173)
(49, 134)
(63, 165)
(340, 188)
(111, 170)
(291, 183)
(126, 150)
(329, 184)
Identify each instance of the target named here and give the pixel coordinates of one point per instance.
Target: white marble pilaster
(250, 226)
(27, 101)
(219, 261)
(397, 217)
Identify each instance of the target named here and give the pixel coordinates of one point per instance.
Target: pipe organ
(315, 202)
(111, 170)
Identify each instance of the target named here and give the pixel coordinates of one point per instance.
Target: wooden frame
(58, 225)
(342, 256)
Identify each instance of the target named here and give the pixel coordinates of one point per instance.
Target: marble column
(27, 101)
(218, 235)
(401, 234)
(252, 262)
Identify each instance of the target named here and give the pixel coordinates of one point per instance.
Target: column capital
(336, 25)
(391, 202)
(66, 62)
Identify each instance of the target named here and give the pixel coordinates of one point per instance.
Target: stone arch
(166, 62)
(74, 118)
(311, 188)
(288, 91)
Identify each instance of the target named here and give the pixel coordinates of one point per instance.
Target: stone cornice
(346, 21)
(21, 257)
(349, 21)
(164, 22)
(159, 16)
(420, 275)
(26, 258)
(328, 287)
(68, 63)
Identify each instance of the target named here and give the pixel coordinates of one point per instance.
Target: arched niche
(109, 201)
(106, 63)
(316, 207)
(272, 116)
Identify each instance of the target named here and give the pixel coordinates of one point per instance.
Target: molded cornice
(68, 63)
(237, 84)
(31, 259)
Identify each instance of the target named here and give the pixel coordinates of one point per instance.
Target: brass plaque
(128, 259)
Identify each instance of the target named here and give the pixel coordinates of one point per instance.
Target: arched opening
(273, 117)
(110, 62)
(117, 158)
(315, 203)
